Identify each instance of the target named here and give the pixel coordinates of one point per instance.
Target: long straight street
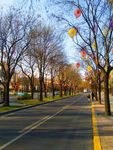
(61, 125)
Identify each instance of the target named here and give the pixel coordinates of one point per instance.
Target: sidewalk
(104, 125)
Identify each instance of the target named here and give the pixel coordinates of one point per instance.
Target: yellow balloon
(72, 32)
(18, 72)
(83, 58)
(89, 68)
(87, 57)
(94, 45)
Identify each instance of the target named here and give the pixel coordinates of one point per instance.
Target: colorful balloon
(112, 51)
(6, 67)
(101, 79)
(83, 58)
(18, 72)
(77, 65)
(111, 25)
(13, 86)
(89, 68)
(77, 13)
(14, 53)
(72, 32)
(94, 45)
(22, 73)
(16, 86)
(83, 54)
(87, 57)
(86, 78)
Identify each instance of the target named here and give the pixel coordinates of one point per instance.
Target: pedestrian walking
(92, 94)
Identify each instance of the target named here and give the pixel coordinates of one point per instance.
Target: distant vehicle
(23, 96)
(85, 90)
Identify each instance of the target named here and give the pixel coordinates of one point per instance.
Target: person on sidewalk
(92, 94)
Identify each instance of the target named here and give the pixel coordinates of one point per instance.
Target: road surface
(60, 125)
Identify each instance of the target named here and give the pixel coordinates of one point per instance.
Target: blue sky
(69, 46)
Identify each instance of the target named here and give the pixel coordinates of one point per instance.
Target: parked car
(23, 96)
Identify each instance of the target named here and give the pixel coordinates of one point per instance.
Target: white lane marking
(30, 126)
(34, 127)
(4, 116)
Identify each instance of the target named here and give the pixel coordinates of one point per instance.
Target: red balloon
(83, 54)
(77, 65)
(77, 13)
(65, 85)
(86, 78)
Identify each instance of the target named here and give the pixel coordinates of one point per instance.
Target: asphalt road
(60, 125)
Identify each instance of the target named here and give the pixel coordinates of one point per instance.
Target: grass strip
(30, 102)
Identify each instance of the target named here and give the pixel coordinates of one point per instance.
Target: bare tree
(28, 68)
(55, 60)
(42, 45)
(13, 43)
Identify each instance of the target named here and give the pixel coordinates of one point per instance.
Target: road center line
(30, 126)
(34, 126)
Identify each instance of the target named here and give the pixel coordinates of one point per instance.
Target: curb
(96, 138)
(27, 107)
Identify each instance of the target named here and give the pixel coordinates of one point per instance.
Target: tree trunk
(106, 96)
(45, 90)
(41, 89)
(99, 92)
(32, 87)
(53, 90)
(6, 95)
(65, 91)
(60, 90)
(52, 84)
(96, 97)
(32, 91)
(69, 90)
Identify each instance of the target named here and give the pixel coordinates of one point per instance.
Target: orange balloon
(83, 54)
(77, 13)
